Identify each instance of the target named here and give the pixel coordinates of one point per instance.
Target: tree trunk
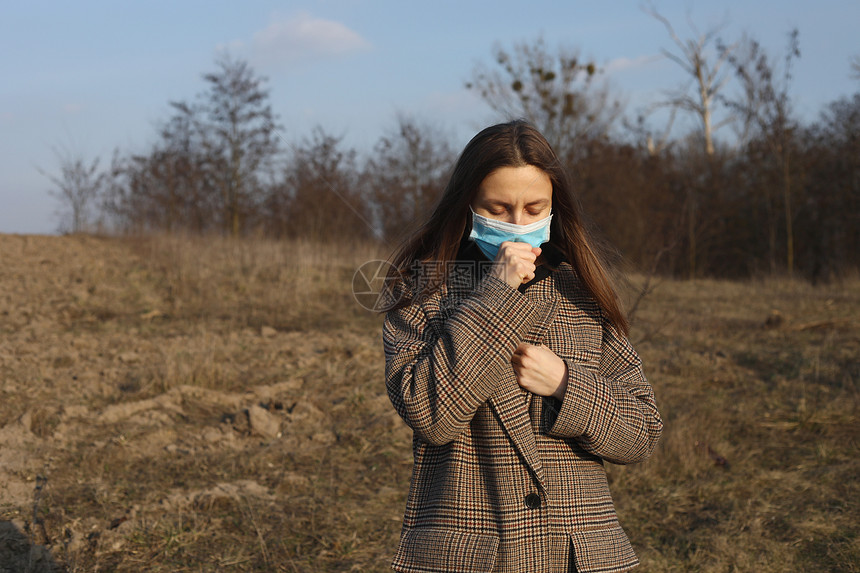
(691, 228)
(789, 233)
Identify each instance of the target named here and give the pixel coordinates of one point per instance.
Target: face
(519, 195)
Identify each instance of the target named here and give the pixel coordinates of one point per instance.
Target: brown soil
(130, 411)
(174, 404)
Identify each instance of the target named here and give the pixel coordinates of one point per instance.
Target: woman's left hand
(539, 370)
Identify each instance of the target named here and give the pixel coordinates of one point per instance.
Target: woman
(507, 356)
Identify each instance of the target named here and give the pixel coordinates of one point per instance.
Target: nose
(517, 218)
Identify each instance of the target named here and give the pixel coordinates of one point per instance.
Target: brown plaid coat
(503, 480)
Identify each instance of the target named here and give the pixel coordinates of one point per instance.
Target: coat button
(533, 501)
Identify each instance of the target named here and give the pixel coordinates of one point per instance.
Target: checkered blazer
(504, 480)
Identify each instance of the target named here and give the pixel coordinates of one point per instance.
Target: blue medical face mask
(489, 234)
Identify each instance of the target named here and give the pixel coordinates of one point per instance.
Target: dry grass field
(206, 405)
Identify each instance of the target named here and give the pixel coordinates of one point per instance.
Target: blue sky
(91, 76)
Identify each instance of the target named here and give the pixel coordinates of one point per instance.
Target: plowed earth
(172, 404)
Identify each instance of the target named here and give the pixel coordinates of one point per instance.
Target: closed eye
(532, 209)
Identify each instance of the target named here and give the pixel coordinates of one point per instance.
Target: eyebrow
(505, 204)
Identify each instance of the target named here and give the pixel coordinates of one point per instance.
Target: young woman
(506, 354)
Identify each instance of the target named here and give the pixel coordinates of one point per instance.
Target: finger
(522, 361)
(522, 249)
(518, 360)
(511, 255)
(526, 266)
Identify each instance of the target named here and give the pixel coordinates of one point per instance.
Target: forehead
(516, 184)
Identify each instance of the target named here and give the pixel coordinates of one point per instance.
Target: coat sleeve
(437, 375)
(612, 412)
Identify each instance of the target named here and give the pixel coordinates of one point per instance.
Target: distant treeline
(782, 198)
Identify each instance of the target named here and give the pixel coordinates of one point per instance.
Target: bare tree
(764, 105)
(707, 78)
(406, 175)
(557, 92)
(172, 187)
(699, 96)
(829, 232)
(238, 136)
(855, 67)
(206, 170)
(78, 186)
(655, 142)
(320, 197)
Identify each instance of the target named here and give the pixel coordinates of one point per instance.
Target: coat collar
(470, 266)
(551, 257)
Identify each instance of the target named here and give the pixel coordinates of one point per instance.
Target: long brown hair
(513, 144)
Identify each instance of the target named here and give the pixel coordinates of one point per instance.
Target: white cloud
(302, 38)
(232, 46)
(624, 64)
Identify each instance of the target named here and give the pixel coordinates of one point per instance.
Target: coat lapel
(513, 415)
(509, 402)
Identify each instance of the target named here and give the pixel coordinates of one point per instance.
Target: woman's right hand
(515, 263)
